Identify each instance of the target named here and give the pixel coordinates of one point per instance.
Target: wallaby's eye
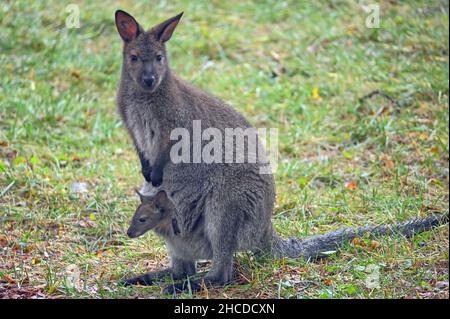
(159, 57)
(133, 58)
(142, 220)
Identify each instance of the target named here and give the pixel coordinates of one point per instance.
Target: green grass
(342, 161)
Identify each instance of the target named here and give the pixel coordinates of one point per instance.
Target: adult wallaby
(221, 207)
(231, 203)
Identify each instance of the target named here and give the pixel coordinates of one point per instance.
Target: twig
(380, 93)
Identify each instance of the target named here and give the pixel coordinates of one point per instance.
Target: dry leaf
(75, 73)
(87, 223)
(387, 161)
(374, 245)
(8, 279)
(434, 150)
(351, 185)
(315, 94)
(328, 282)
(358, 242)
(3, 241)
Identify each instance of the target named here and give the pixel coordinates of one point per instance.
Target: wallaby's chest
(142, 126)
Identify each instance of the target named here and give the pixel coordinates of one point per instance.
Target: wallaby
(154, 212)
(220, 207)
(231, 202)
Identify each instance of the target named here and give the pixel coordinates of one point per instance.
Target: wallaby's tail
(313, 247)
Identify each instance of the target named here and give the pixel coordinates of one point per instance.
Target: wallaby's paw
(156, 178)
(147, 172)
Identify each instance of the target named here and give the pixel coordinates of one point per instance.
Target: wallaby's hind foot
(147, 279)
(180, 269)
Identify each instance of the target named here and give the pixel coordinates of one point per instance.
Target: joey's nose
(149, 80)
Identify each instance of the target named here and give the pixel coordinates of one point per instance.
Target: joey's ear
(144, 198)
(127, 26)
(163, 31)
(161, 198)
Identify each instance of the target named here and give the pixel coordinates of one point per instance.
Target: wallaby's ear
(161, 198)
(127, 26)
(144, 198)
(164, 30)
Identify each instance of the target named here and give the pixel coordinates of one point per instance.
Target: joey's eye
(133, 58)
(159, 57)
(142, 220)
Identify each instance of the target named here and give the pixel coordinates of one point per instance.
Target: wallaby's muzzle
(133, 233)
(148, 81)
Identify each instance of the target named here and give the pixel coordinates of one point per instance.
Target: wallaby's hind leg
(221, 231)
(182, 268)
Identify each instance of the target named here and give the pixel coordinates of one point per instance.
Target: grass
(297, 66)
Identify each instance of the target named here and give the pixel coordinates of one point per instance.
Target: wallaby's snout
(148, 81)
(130, 233)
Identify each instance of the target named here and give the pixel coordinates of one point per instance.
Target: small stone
(79, 187)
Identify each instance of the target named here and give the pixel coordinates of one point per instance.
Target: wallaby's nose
(130, 233)
(149, 80)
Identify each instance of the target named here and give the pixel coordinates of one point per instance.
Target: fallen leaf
(3, 241)
(423, 136)
(358, 242)
(87, 224)
(374, 245)
(351, 185)
(387, 161)
(434, 150)
(8, 279)
(328, 282)
(315, 94)
(75, 73)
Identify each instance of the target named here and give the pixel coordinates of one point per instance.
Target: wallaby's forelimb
(158, 167)
(146, 169)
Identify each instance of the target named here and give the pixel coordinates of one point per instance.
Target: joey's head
(153, 210)
(144, 53)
